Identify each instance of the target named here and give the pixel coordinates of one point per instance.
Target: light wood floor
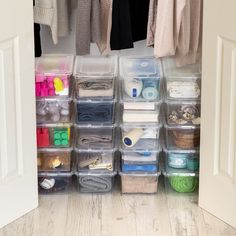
(164, 214)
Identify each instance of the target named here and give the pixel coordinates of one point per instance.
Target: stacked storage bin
(54, 116)
(182, 126)
(95, 138)
(140, 101)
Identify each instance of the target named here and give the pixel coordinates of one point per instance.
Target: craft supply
(183, 89)
(193, 163)
(137, 167)
(98, 87)
(133, 87)
(177, 160)
(150, 89)
(95, 183)
(43, 138)
(183, 184)
(96, 140)
(140, 116)
(132, 137)
(61, 136)
(94, 112)
(47, 183)
(131, 183)
(86, 159)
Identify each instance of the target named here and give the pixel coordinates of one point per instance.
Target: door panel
(18, 168)
(218, 130)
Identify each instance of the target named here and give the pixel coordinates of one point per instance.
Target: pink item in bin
(39, 78)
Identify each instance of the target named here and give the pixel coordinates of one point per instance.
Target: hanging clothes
(37, 41)
(106, 24)
(88, 28)
(129, 23)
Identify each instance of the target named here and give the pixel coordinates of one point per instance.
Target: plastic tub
(182, 181)
(141, 79)
(139, 182)
(95, 161)
(182, 137)
(99, 137)
(182, 82)
(140, 136)
(139, 113)
(49, 183)
(95, 182)
(183, 112)
(54, 160)
(95, 112)
(53, 75)
(54, 136)
(54, 110)
(182, 159)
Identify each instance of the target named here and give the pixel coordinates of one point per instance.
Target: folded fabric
(94, 112)
(95, 184)
(86, 139)
(140, 116)
(136, 167)
(95, 87)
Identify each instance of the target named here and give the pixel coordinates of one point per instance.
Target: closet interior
(110, 107)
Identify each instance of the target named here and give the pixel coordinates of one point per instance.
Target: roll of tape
(132, 137)
(133, 87)
(150, 89)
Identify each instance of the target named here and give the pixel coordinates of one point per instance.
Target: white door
(18, 169)
(218, 130)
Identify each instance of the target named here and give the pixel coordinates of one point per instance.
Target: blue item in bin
(150, 89)
(145, 168)
(145, 153)
(95, 112)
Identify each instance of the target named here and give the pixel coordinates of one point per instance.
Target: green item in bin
(183, 184)
(193, 164)
(61, 136)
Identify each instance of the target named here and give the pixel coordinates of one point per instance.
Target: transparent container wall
(177, 138)
(55, 137)
(54, 111)
(95, 161)
(136, 115)
(99, 112)
(183, 114)
(53, 75)
(54, 184)
(95, 138)
(182, 184)
(95, 87)
(132, 183)
(184, 160)
(95, 183)
(140, 138)
(95, 66)
(141, 89)
(54, 161)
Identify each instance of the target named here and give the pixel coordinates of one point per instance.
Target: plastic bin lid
(188, 71)
(182, 102)
(140, 174)
(182, 127)
(139, 67)
(178, 172)
(53, 150)
(55, 174)
(95, 66)
(49, 64)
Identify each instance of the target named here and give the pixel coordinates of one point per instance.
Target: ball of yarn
(183, 184)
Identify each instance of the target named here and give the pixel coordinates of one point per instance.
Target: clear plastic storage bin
(54, 136)
(95, 182)
(132, 113)
(182, 137)
(99, 137)
(141, 79)
(139, 182)
(182, 159)
(54, 110)
(54, 160)
(182, 181)
(140, 136)
(95, 160)
(182, 82)
(95, 77)
(49, 183)
(183, 113)
(53, 75)
(95, 112)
